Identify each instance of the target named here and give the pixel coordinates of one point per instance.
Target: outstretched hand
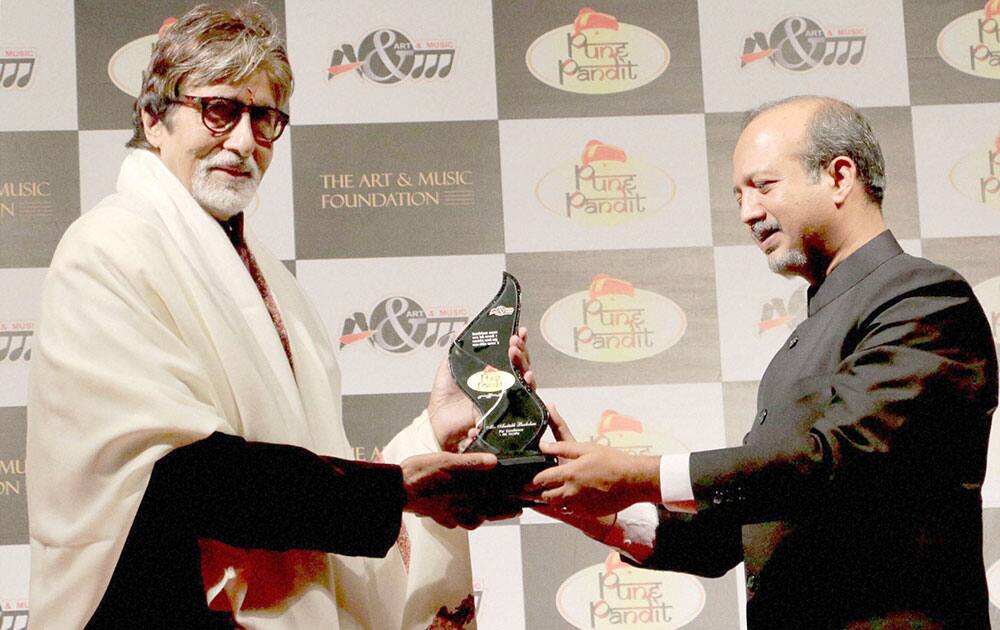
(439, 485)
(593, 480)
(451, 412)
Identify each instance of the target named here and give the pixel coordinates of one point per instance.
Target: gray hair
(837, 129)
(209, 45)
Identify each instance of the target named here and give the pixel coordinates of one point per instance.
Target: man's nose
(750, 210)
(241, 138)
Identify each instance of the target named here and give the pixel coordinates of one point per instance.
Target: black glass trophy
(514, 417)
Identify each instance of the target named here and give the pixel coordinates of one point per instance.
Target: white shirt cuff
(634, 531)
(676, 490)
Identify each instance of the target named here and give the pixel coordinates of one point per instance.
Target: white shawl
(153, 336)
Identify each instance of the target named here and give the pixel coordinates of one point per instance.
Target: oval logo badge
(613, 322)
(597, 54)
(605, 187)
(617, 595)
(977, 176)
(490, 381)
(971, 43)
(128, 63)
(630, 435)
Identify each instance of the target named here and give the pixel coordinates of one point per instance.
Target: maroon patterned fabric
(234, 230)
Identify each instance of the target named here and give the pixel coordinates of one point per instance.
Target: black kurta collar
(853, 270)
(233, 226)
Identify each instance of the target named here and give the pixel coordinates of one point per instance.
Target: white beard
(224, 200)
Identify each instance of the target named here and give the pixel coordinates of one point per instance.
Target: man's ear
(843, 173)
(154, 128)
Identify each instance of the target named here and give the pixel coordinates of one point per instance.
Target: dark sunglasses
(221, 115)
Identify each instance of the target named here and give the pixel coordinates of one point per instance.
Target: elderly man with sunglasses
(187, 461)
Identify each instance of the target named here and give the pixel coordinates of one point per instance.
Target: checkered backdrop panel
(435, 144)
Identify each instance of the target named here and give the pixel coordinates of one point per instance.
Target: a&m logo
(127, 64)
(386, 56)
(400, 324)
(15, 341)
(13, 614)
(605, 187)
(630, 435)
(597, 54)
(971, 42)
(782, 315)
(988, 294)
(799, 44)
(616, 595)
(17, 67)
(977, 175)
(613, 322)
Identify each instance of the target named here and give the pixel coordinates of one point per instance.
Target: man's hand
(594, 480)
(451, 412)
(439, 485)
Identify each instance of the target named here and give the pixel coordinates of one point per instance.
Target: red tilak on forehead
(250, 91)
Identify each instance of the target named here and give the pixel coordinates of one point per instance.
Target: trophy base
(507, 481)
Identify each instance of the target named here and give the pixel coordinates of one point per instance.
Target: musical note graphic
(8, 337)
(432, 58)
(442, 338)
(849, 42)
(16, 64)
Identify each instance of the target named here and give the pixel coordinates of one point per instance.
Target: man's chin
(786, 263)
(223, 209)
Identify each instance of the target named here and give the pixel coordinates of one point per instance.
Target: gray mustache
(760, 228)
(230, 161)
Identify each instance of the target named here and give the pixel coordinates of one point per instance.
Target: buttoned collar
(853, 270)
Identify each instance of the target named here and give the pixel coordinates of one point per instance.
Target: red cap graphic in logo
(992, 8)
(588, 19)
(611, 420)
(613, 563)
(603, 284)
(167, 23)
(598, 151)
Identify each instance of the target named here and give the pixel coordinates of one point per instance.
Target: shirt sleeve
(676, 491)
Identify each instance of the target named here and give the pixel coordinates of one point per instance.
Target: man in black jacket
(854, 501)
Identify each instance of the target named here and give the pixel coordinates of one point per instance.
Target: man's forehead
(253, 90)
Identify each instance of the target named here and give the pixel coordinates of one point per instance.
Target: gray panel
(104, 26)
(932, 80)
(684, 275)
(517, 23)
(371, 421)
(397, 190)
(893, 128)
(13, 491)
(39, 194)
(552, 553)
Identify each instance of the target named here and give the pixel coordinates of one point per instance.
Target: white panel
(22, 290)
(101, 155)
(873, 76)
(649, 186)
(394, 30)
(37, 66)
(15, 561)
(758, 309)
(496, 577)
(641, 419)
(958, 169)
(423, 299)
